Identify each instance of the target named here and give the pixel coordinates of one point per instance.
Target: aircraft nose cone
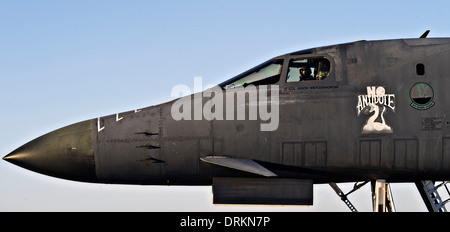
(66, 153)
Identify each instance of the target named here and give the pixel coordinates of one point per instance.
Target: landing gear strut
(343, 196)
(381, 194)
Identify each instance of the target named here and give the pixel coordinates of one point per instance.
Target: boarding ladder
(431, 194)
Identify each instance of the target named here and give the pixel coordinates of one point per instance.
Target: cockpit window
(265, 74)
(308, 69)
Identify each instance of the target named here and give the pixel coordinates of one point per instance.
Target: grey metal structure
(354, 112)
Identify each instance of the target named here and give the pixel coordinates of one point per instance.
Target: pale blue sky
(62, 62)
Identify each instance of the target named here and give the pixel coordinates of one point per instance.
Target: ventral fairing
(365, 112)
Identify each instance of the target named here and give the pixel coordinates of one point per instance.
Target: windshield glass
(264, 74)
(307, 69)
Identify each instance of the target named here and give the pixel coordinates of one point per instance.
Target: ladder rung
(431, 192)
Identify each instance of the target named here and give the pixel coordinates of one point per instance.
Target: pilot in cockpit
(305, 74)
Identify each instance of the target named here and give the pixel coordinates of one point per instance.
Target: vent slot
(420, 69)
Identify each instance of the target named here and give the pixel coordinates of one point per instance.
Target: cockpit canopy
(266, 73)
(308, 69)
(269, 72)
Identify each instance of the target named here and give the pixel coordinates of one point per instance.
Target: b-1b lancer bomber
(361, 112)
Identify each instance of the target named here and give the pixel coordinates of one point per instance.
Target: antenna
(424, 35)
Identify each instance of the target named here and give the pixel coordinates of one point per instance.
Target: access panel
(262, 191)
